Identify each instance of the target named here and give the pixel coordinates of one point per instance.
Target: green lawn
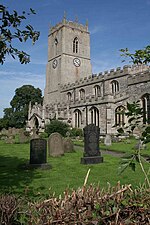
(125, 146)
(66, 172)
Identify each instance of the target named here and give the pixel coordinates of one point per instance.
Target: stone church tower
(78, 97)
(68, 57)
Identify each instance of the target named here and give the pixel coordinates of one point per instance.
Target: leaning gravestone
(68, 145)
(107, 140)
(92, 153)
(38, 153)
(55, 145)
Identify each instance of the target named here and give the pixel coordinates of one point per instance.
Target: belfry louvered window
(75, 45)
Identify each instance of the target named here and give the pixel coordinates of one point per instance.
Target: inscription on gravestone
(38, 151)
(92, 153)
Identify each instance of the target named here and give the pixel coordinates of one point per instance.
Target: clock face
(55, 63)
(76, 62)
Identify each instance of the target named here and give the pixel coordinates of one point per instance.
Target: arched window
(94, 116)
(115, 86)
(69, 95)
(82, 94)
(120, 116)
(78, 118)
(56, 45)
(97, 91)
(75, 45)
(146, 108)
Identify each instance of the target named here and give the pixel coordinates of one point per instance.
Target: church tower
(68, 57)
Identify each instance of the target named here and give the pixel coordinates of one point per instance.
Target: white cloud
(97, 29)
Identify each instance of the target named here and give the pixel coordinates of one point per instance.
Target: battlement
(107, 75)
(144, 77)
(74, 25)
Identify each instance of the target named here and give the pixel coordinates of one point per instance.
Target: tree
(17, 115)
(10, 31)
(141, 56)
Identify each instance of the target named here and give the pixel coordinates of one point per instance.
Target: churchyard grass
(66, 172)
(124, 146)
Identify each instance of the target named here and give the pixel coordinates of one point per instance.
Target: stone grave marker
(92, 153)
(9, 140)
(138, 145)
(38, 153)
(68, 145)
(107, 140)
(55, 145)
(23, 138)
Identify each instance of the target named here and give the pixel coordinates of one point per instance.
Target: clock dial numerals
(76, 62)
(55, 63)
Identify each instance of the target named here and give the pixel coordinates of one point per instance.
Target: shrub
(43, 135)
(75, 132)
(57, 126)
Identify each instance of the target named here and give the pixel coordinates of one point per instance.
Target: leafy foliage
(57, 126)
(141, 56)
(10, 31)
(76, 132)
(17, 115)
(135, 114)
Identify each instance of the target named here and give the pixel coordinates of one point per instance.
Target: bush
(43, 135)
(57, 126)
(76, 132)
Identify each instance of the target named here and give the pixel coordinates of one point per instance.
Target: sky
(113, 25)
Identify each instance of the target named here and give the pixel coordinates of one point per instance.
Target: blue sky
(113, 24)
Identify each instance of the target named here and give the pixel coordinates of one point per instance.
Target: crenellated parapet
(112, 74)
(135, 79)
(71, 24)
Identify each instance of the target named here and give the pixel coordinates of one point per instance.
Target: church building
(76, 96)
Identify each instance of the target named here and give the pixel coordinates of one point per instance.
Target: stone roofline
(112, 74)
(66, 23)
(89, 100)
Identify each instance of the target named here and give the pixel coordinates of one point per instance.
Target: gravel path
(108, 152)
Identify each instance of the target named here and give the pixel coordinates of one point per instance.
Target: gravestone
(10, 140)
(138, 145)
(115, 139)
(107, 140)
(55, 145)
(92, 153)
(68, 145)
(22, 137)
(38, 153)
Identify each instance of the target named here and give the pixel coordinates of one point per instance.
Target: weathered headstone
(68, 145)
(22, 137)
(92, 153)
(10, 140)
(115, 139)
(55, 145)
(38, 152)
(107, 140)
(138, 145)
